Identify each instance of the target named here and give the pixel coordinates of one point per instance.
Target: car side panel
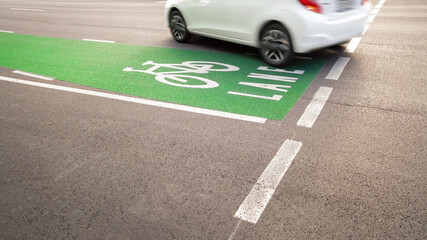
(204, 16)
(240, 21)
(243, 16)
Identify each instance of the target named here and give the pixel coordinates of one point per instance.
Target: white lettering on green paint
(279, 70)
(273, 77)
(176, 75)
(275, 87)
(274, 97)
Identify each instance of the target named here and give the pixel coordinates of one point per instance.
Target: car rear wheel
(178, 27)
(276, 46)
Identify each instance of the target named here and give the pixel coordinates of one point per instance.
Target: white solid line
(3, 31)
(382, 1)
(337, 69)
(351, 47)
(141, 101)
(96, 40)
(27, 9)
(314, 108)
(257, 199)
(33, 75)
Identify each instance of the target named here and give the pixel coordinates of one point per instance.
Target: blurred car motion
(278, 28)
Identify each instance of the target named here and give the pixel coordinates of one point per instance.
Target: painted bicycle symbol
(177, 76)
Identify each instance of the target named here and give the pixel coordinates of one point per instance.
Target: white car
(279, 28)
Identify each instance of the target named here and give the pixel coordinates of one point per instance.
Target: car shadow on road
(201, 43)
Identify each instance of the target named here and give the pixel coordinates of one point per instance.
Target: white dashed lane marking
(351, 47)
(365, 28)
(314, 107)
(337, 69)
(375, 11)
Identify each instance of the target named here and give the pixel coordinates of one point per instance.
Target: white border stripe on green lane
(140, 101)
(33, 75)
(98, 40)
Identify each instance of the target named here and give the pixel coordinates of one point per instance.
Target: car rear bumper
(329, 30)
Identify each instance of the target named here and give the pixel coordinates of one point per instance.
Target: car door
(204, 16)
(243, 17)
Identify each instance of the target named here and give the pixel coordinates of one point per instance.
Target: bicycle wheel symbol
(177, 78)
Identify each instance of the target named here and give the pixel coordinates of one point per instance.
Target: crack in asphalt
(379, 108)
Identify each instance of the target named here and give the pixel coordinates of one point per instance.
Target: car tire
(275, 45)
(178, 27)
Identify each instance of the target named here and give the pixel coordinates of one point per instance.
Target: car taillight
(364, 1)
(311, 5)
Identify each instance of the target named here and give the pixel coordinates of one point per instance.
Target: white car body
(241, 21)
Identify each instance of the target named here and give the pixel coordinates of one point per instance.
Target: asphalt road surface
(77, 165)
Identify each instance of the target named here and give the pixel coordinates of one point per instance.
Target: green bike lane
(210, 80)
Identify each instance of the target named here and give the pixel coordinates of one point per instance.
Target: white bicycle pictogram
(177, 77)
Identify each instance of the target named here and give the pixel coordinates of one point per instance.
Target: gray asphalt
(81, 167)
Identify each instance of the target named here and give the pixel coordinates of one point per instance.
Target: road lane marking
(365, 28)
(33, 75)
(27, 9)
(186, 77)
(273, 77)
(97, 40)
(274, 97)
(257, 199)
(371, 18)
(140, 101)
(4, 31)
(375, 11)
(314, 108)
(351, 47)
(236, 228)
(337, 69)
(380, 4)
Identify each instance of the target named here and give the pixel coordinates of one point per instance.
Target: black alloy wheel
(276, 45)
(178, 27)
